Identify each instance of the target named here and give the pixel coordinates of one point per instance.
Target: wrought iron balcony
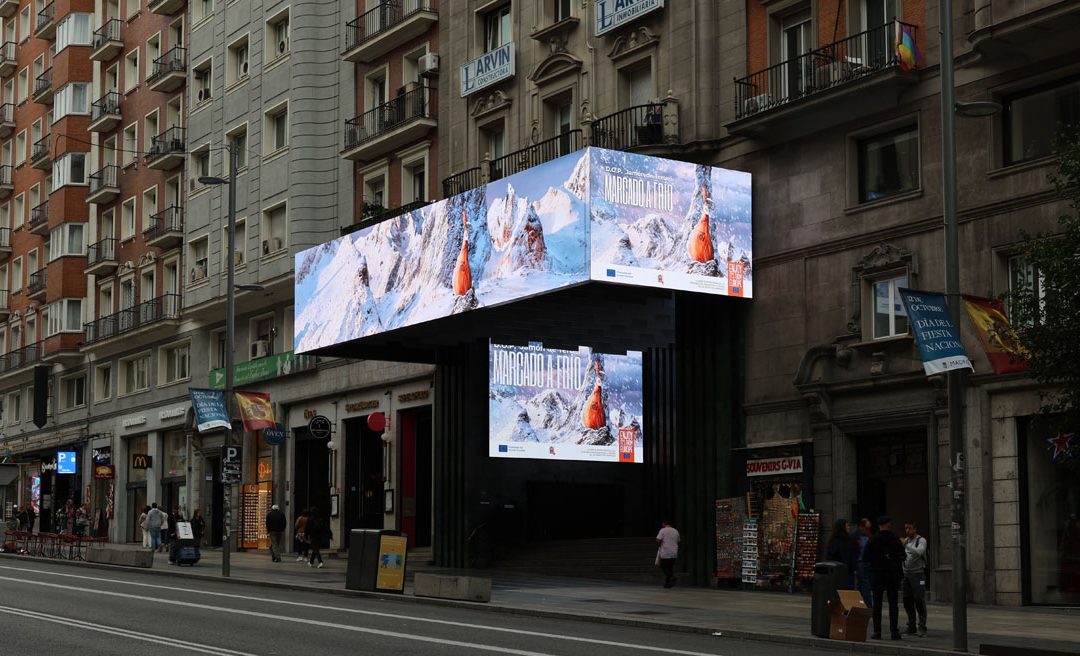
(108, 41)
(169, 71)
(5, 243)
(46, 25)
(642, 125)
(462, 182)
(105, 113)
(7, 119)
(101, 257)
(5, 307)
(21, 357)
(165, 7)
(37, 282)
(8, 60)
(167, 149)
(387, 25)
(43, 90)
(39, 219)
(390, 125)
(6, 184)
(103, 185)
(41, 154)
(536, 154)
(8, 8)
(166, 228)
(378, 215)
(857, 57)
(145, 314)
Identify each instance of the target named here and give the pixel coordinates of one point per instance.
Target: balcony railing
(43, 82)
(107, 105)
(380, 120)
(109, 32)
(642, 125)
(39, 216)
(856, 57)
(382, 18)
(147, 313)
(173, 61)
(37, 282)
(5, 239)
(21, 357)
(102, 251)
(169, 141)
(5, 174)
(7, 113)
(461, 182)
(40, 148)
(105, 178)
(4, 296)
(536, 154)
(378, 215)
(170, 219)
(7, 52)
(46, 15)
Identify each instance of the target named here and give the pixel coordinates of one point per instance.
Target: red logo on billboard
(626, 445)
(735, 274)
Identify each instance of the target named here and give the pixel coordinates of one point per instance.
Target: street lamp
(230, 332)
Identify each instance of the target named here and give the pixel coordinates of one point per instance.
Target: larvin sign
(487, 69)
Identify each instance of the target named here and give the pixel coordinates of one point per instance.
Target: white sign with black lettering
(774, 466)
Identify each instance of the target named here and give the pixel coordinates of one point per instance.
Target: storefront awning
(8, 474)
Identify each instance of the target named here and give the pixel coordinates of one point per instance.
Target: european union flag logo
(611, 273)
(503, 448)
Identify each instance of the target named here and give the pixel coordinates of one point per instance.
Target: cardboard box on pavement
(848, 616)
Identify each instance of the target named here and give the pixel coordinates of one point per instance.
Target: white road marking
(370, 613)
(123, 633)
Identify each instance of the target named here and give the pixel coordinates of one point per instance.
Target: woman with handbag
(300, 537)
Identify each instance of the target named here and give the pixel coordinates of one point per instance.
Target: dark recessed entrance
(893, 479)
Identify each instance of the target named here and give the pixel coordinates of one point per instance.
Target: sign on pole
(230, 464)
(936, 336)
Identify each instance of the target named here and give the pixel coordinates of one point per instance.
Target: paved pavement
(775, 617)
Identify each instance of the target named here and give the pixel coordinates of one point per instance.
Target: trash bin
(829, 576)
(376, 560)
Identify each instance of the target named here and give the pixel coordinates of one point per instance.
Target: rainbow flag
(906, 49)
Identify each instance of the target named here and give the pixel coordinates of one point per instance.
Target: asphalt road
(56, 609)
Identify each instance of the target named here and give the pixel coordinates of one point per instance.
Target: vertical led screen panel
(596, 214)
(555, 404)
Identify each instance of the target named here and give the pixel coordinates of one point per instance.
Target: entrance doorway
(311, 474)
(415, 468)
(136, 503)
(173, 494)
(363, 505)
(893, 479)
(572, 510)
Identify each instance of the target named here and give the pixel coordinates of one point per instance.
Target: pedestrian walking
(156, 518)
(668, 551)
(841, 549)
(914, 579)
(862, 566)
(318, 533)
(24, 518)
(145, 527)
(175, 518)
(198, 527)
(300, 538)
(82, 520)
(886, 555)
(275, 528)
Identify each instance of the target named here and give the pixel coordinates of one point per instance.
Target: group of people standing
(311, 534)
(881, 563)
(159, 529)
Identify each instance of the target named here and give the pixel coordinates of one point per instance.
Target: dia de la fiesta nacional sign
(487, 69)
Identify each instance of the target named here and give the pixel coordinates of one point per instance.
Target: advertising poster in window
(564, 405)
(675, 225)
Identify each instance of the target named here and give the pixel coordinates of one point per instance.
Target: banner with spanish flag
(256, 411)
(999, 340)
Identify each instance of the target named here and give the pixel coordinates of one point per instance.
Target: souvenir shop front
(768, 537)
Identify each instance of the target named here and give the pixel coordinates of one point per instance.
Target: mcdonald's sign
(140, 461)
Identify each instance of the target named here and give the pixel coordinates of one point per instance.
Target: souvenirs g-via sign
(487, 69)
(612, 14)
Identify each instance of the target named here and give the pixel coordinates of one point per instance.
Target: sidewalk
(753, 615)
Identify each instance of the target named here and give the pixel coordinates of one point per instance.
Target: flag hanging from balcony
(935, 335)
(255, 410)
(999, 340)
(906, 50)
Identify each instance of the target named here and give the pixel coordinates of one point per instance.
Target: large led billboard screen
(557, 404)
(595, 214)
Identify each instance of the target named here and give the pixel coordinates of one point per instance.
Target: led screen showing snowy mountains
(595, 214)
(564, 405)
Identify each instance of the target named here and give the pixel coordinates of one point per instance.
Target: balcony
(462, 182)
(101, 258)
(654, 124)
(5, 305)
(8, 62)
(105, 113)
(828, 86)
(107, 42)
(6, 183)
(167, 150)
(391, 23)
(166, 228)
(390, 126)
(165, 7)
(374, 214)
(5, 244)
(46, 23)
(534, 155)
(1035, 30)
(8, 8)
(43, 91)
(37, 282)
(41, 154)
(20, 358)
(104, 187)
(169, 71)
(39, 219)
(162, 312)
(7, 119)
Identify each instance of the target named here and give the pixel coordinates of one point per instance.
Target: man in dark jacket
(885, 554)
(275, 528)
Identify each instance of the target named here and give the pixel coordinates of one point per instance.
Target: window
(414, 182)
(68, 239)
(796, 37)
(497, 28)
(32, 261)
(241, 243)
(149, 205)
(636, 84)
(262, 336)
(24, 24)
(65, 316)
(105, 300)
(277, 128)
(73, 30)
(69, 169)
(14, 408)
(107, 224)
(150, 130)
(153, 48)
(273, 229)
(23, 85)
(72, 392)
(20, 148)
(200, 163)
(889, 317)
(203, 75)
(127, 219)
(237, 139)
(238, 61)
(175, 362)
(133, 7)
(561, 9)
(277, 36)
(1033, 119)
(131, 144)
(16, 275)
(9, 30)
(1024, 279)
(375, 191)
(135, 374)
(203, 9)
(73, 98)
(103, 382)
(493, 140)
(131, 70)
(20, 210)
(199, 255)
(888, 163)
(217, 346)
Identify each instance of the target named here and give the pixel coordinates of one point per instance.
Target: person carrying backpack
(914, 578)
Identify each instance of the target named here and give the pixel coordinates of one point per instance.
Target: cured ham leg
(700, 247)
(593, 415)
(462, 273)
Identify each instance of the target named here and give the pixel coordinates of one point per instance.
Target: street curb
(875, 648)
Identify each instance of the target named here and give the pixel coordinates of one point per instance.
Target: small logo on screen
(503, 448)
(611, 273)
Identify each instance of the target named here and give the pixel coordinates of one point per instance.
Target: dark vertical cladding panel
(659, 390)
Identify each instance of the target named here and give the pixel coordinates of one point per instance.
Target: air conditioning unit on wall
(260, 348)
(429, 65)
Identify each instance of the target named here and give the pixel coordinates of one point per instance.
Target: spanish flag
(256, 411)
(999, 340)
(906, 50)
